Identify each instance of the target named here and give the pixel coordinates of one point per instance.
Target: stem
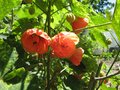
(48, 62)
(91, 81)
(105, 77)
(99, 69)
(97, 74)
(49, 17)
(99, 25)
(109, 68)
(46, 23)
(113, 62)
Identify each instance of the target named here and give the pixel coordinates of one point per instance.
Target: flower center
(34, 42)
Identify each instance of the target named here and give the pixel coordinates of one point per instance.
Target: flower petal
(35, 41)
(76, 58)
(72, 36)
(62, 46)
(79, 23)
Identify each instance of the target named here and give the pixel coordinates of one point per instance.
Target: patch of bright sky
(112, 1)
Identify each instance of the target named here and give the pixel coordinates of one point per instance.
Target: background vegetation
(22, 71)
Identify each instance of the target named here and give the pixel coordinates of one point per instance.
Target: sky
(113, 1)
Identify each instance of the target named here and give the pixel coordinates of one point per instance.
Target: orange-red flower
(76, 58)
(63, 45)
(79, 23)
(71, 35)
(35, 41)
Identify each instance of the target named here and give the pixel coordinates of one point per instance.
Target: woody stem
(48, 61)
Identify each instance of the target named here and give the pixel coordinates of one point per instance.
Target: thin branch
(109, 76)
(49, 17)
(46, 23)
(99, 25)
(113, 62)
(97, 74)
(109, 69)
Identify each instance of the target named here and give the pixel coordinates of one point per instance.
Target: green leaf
(7, 5)
(8, 56)
(24, 12)
(79, 9)
(89, 63)
(60, 3)
(24, 24)
(36, 84)
(67, 25)
(11, 60)
(3, 85)
(17, 72)
(97, 32)
(18, 86)
(74, 83)
(104, 87)
(99, 37)
(116, 20)
(42, 4)
(98, 19)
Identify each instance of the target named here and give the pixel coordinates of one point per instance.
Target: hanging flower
(79, 23)
(63, 44)
(72, 36)
(35, 41)
(76, 58)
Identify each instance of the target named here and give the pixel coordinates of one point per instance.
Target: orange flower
(63, 44)
(35, 41)
(72, 36)
(79, 23)
(76, 58)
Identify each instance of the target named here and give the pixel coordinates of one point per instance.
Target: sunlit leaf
(17, 72)
(3, 85)
(116, 20)
(7, 5)
(79, 9)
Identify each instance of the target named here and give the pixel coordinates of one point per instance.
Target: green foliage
(104, 87)
(90, 63)
(20, 70)
(116, 19)
(7, 5)
(74, 83)
(79, 9)
(8, 56)
(3, 85)
(17, 72)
